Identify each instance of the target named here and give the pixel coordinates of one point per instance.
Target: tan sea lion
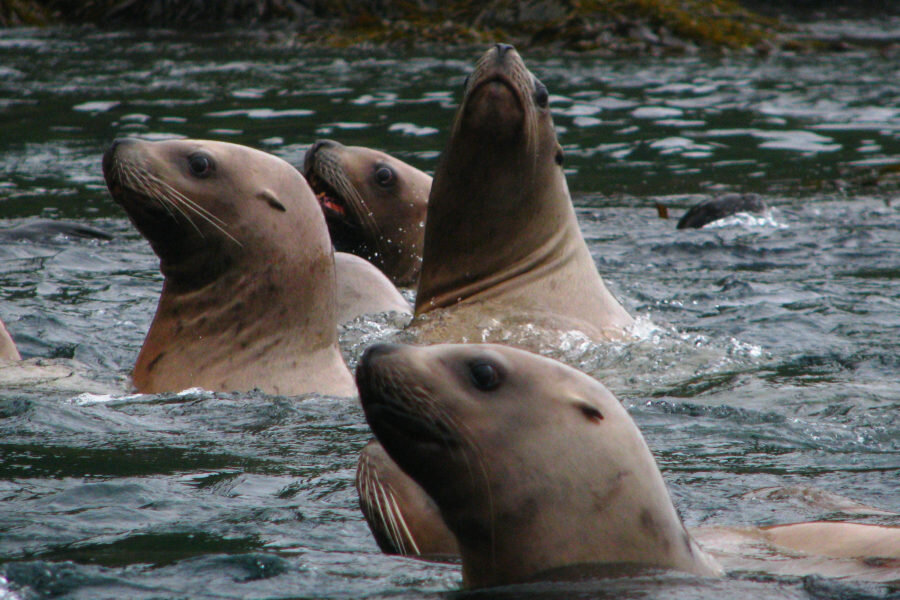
(8, 350)
(374, 204)
(533, 465)
(501, 236)
(362, 289)
(536, 467)
(248, 299)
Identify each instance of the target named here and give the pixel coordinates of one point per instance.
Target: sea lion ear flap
(559, 158)
(588, 410)
(271, 199)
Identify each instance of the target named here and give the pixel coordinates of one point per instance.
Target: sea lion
(828, 548)
(374, 205)
(536, 467)
(713, 209)
(45, 229)
(364, 290)
(8, 350)
(248, 298)
(501, 235)
(402, 517)
(533, 465)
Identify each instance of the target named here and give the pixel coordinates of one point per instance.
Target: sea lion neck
(245, 295)
(192, 264)
(242, 318)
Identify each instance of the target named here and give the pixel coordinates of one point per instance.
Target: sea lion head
(505, 105)
(499, 193)
(205, 206)
(374, 205)
(534, 465)
(503, 97)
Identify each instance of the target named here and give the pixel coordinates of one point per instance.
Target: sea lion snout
(368, 364)
(376, 350)
(502, 50)
(109, 156)
(310, 157)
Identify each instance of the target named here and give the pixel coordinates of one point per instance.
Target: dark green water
(769, 350)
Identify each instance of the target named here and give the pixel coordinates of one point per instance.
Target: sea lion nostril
(311, 153)
(502, 49)
(109, 154)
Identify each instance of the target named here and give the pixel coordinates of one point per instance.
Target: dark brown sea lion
(704, 213)
(501, 236)
(374, 204)
(248, 299)
(533, 465)
(45, 229)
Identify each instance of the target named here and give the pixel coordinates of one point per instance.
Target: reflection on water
(767, 350)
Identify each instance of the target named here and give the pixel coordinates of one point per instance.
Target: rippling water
(768, 356)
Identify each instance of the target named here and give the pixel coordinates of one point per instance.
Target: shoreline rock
(604, 27)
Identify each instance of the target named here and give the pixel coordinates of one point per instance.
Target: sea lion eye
(384, 175)
(484, 375)
(590, 413)
(559, 157)
(200, 165)
(541, 95)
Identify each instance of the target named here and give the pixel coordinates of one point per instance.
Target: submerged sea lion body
(248, 299)
(44, 229)
(364, 290)
(714, 209)
(374, 205)
(501, 236)
(828, 548)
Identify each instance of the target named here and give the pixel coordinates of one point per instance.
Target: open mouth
(330, 201)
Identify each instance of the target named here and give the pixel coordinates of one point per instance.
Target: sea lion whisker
(140, 180)
(389, 513)
(159, 193)
(208, 217)
(407, 534)
(175, 197)
(174, 194)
